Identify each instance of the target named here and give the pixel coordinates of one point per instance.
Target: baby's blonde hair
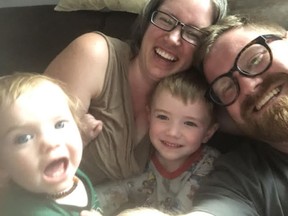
(14, 85)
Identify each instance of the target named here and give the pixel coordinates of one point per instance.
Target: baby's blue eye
(24, 138)
(60, 124)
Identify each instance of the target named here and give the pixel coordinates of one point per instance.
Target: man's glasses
(254, 59)
(168, 22)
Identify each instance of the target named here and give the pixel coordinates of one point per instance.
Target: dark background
(30, 37)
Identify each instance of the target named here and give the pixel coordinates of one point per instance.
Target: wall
(17, 3)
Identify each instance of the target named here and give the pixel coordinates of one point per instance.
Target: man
(246, 65)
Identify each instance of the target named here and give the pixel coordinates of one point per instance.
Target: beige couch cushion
(273, 10)
(132, 6)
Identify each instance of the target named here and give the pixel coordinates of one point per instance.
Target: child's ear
(210, 132)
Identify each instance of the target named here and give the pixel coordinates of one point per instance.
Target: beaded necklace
(66, 192)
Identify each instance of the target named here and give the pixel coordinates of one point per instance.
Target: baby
(41, 149)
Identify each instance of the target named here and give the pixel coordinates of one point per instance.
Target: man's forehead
(234, 40)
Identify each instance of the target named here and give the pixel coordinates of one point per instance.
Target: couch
(32, 36)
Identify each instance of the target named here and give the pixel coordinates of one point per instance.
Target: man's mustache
(250, 101)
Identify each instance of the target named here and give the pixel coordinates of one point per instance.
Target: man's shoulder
(249, 153)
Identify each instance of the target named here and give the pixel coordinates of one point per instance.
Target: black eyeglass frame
(262, 40)
(178, 22)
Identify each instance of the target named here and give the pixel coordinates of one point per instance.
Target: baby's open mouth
(56, 168)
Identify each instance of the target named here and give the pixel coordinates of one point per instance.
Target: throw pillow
(273, 10)
(132, 6)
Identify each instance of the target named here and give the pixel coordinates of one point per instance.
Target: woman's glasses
(168, 22)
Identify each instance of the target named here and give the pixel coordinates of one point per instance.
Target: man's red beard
(272, 125)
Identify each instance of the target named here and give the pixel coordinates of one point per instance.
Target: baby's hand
(90, 213)
(91, 127)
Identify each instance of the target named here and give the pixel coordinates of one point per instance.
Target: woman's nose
(175, 35)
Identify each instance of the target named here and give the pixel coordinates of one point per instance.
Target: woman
(113, 79)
